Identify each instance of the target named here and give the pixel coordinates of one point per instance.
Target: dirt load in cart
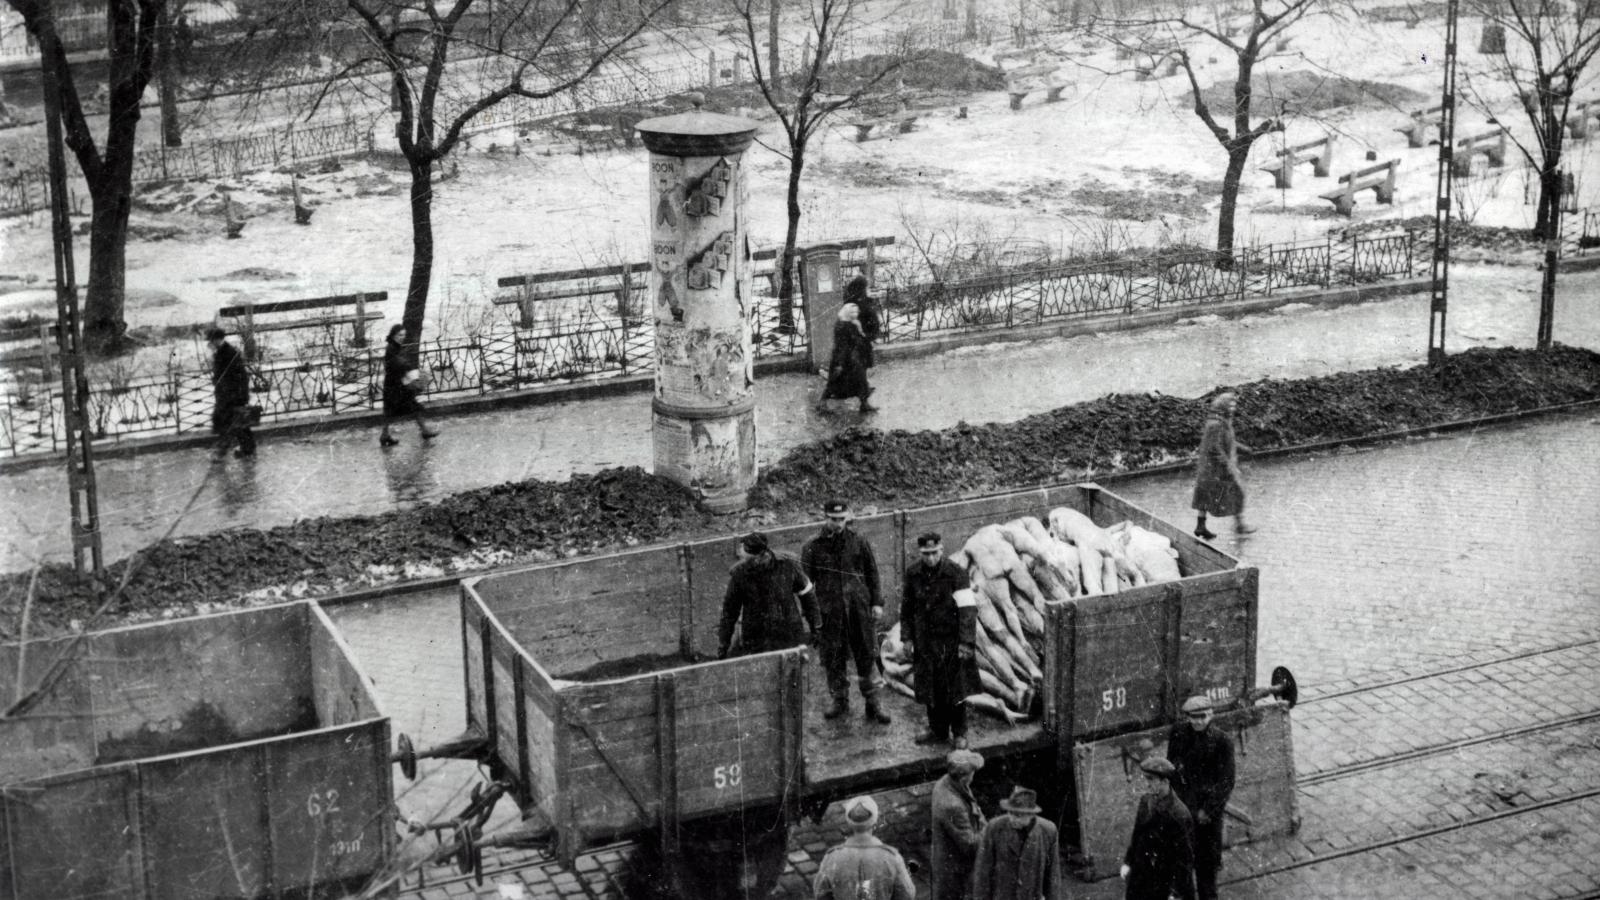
(593, 694)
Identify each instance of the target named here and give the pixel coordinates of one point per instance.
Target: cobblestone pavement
(1427, 594)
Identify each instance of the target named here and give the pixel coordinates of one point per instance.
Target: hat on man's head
(754, 542)
(215, 334)
(1022, 801)
(929, 539)
(835, 508)
(861, 812)
(1223, 399)
(960, 762)
(1158, 766)
(1196, 704)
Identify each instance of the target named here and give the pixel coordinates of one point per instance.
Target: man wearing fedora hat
(1203, 759)
(1019, 856)
(863, 867)
(1160, 860)
(769, 594)
(844, 569)
(957, 825)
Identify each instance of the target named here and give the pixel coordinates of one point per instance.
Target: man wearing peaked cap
(844, 569)
(938, 624)
(1203, 758)
(1019, 856)
(1159, 861)
(863, 867)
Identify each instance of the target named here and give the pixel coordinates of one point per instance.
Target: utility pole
(86, 555)
(1441, 214)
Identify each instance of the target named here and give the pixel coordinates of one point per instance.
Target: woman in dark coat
(1218, 489)
(871, 322)
(401, 385)
(852, 354)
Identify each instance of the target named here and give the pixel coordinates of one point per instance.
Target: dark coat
(1204, 760)
(844, 569)
(762, 594)
(230, 383)
(847, 370)
(871, 326)
(399, 398)
(1011, 867)
(1217, 488)
(1160, 856)
(864, 868)
(957, 827)
(938, 626)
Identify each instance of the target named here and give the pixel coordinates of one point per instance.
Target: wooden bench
(1318, 152)
(1421, 120)
(765, 260)
(899, 124)
(1034, 74)
(1492, 144)
(1379, 178)
(623, 282)
(1578, 117)
(243, 320)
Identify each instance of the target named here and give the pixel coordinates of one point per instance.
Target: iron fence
(24, 193)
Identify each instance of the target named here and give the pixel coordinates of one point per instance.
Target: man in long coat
(1160, 860)
(1218, 487)
(863, 867)
(1203, 759)
(842, 566)
(957, 826)
(230, 383)
(938, 622)
(771, 596)
(1019, 856)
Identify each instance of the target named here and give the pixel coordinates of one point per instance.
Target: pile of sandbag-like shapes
(1018, 567)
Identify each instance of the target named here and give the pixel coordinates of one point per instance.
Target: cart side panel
(328, 796)
(540, 706)
(1265, 801)
(58, 734)
(201, 683)
(77, 837)
(1122, 658)
(503, 672)
(1195, 557)
(479, 717)
(1216, 637)
(572, 616)
(204, 822)
(340, 691)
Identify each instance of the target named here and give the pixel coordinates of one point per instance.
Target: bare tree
(807, 98)
(1162, 35)
(131, 36)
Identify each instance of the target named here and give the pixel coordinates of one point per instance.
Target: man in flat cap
(957, 825)
(771, 596)
(1160, 858)
(1203, 758)
(1019, 855)
(938, 622)
(863, 867)
(230, 383)
(842, 566)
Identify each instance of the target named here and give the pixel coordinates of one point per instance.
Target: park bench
(1421, 120)
(623, 282)
(766, 259)
(1578, 117)
(1035, 72)
(1492, 144)
(902, 123)
(1379, 178)
(245, 319)
(1318, 152)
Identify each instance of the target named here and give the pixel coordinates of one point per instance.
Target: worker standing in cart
(1203, 758)
(842, 566)
(771, 596)
(938, 622)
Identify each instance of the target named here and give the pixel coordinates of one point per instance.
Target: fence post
(251, 351)
(624, 304)
(872, 248)
(711, 69)
(525, 306)
(361, 321)
(1327, 274)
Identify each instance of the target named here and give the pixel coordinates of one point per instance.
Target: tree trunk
(171, 77)
(1549, 199)
(1238, 155)
(791, 236)
(972, 20)
(421, 247)
(103, 302)
(774, 58)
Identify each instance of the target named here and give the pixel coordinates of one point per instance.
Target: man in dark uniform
(1160, 858)
(1203, 757)
(842, 566)
(230, 380)
(769, 593)
(863, 867)
(938, 621)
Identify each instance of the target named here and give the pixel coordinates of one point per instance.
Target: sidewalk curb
(1103, 479)
(629, 384)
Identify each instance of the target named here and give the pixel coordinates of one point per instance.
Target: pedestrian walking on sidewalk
(1202, 757)
(863, 867)
(1019, 856)
(231, 415)
(1160, 860)
(852, 355)
(855, 291)
(842, 566)
(957, 826)
(772, 598)
(1218, 488)
(402, 383)
(938, 621)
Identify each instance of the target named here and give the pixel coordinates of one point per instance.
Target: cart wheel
(407, 758)
(468, 849)
(1288, 689)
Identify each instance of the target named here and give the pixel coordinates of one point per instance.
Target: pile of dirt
(1301, 92)
(537, 520)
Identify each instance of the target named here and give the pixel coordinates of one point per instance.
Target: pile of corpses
(1015, 569)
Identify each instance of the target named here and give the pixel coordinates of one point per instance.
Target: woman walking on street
(847, 370)
(1218, 489)
(401, 384)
